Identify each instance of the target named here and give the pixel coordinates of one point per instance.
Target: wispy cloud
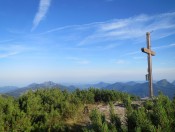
(131, 53)
(12, 50)
(138, 57)
(5, 55)
(80, 28)
(164, 46)
(42, 10)
(4, 41)
(78, 60)
(112, 34)
(132, 28)
(153, 48)
(120, 61)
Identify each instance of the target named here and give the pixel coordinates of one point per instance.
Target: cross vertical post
(150, 54)
(149, 65)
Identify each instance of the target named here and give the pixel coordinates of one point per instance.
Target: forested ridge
(56, 110)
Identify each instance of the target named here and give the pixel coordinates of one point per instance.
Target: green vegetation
(49, 109)
(56, 110)
(154, 115)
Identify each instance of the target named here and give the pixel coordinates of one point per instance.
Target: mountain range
(141, 89)
(34, 86)
(135, 88)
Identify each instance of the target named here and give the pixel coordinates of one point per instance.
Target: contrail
(42, 10)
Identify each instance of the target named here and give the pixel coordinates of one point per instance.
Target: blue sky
(80, 41)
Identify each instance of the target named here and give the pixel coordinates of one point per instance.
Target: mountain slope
(100, 85)
(35, 86)
(141, 89)
(165, 87)
(97, 85)
(173, 82)
(7, 89)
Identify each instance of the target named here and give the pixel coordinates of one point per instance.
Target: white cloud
(42, 10)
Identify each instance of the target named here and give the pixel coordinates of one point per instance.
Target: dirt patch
(119, 109)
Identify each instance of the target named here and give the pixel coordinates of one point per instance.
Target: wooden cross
(148, 51)
(150, 54)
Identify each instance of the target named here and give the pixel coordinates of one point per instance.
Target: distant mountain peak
(101, 83)
(131, 83)
(163, 82)
(32, 85)
(49, 83)
(173, 82)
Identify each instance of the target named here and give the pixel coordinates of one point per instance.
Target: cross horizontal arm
(148, 51)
